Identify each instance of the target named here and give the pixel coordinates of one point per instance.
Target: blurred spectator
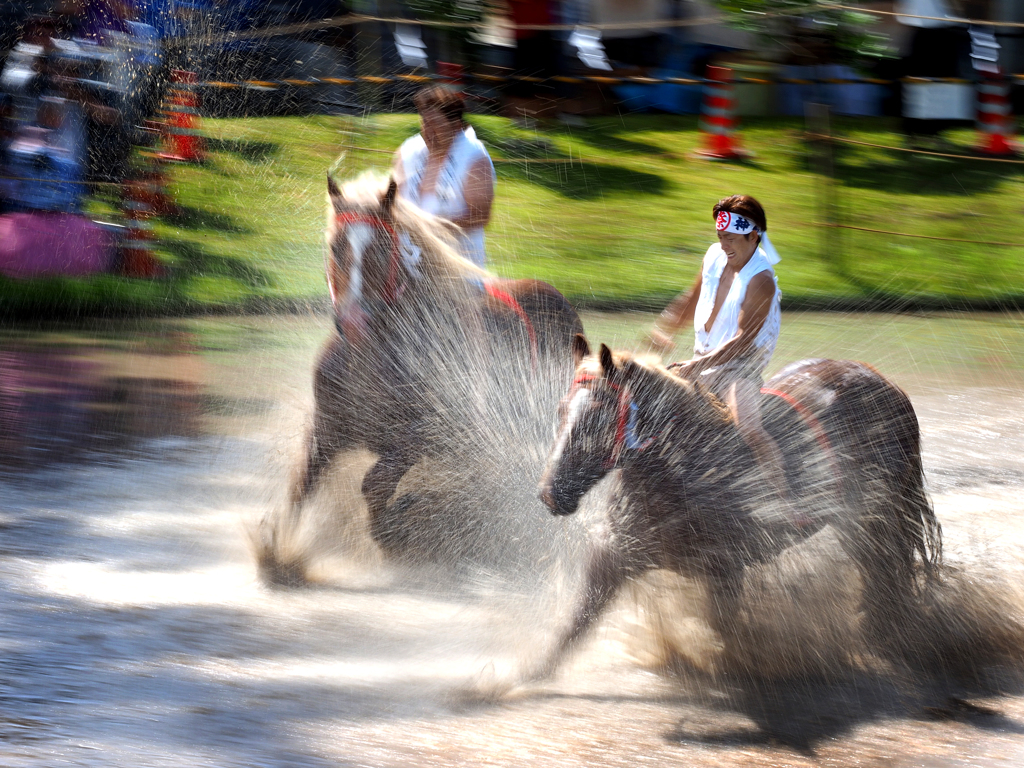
(7, 125)
(129, 54)
(938, 48)
(43, 232)
(45, 160)
(21, 78)
(536, 54)
(634, 46)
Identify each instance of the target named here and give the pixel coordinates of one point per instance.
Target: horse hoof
(392, 528)
(484, 688)
(278, 573)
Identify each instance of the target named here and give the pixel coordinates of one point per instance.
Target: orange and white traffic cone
(718, 118)
(995, 116)
(153, 175)
(183, 142)
(137, 259)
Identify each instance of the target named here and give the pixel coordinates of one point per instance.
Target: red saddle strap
(510, 301)
(812, 423)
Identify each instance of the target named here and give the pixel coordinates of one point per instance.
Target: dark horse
(685, 494)
(406, 375)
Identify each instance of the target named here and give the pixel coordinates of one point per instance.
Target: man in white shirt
(445, 169)
(734, 305)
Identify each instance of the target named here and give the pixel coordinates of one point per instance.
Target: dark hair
(744, 205)
(448, 102)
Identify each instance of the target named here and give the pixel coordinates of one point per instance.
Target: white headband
(740, 225)
(734, 222)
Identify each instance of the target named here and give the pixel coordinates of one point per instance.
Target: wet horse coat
(686, 489)
(407, 374)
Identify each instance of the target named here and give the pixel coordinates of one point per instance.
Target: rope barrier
(62, 181)
(949, 19)
(922, 237)
(823, 137)
(585, 79)
(358, 18)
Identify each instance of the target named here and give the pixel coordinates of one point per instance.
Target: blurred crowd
(74, 95)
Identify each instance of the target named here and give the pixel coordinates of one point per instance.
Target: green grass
(625, 224)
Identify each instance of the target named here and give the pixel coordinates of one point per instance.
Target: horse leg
(873, 538)
(287, 568)
(379, 485)
(325, 439)
(606, 570)
(323, 443)
(725, 591)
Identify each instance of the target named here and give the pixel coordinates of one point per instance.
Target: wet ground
(135, 459)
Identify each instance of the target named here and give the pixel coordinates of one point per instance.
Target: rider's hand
(683, 370)
(660, 341)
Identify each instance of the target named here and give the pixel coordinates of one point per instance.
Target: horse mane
(669, 391)
(436, 237)
(680, 394)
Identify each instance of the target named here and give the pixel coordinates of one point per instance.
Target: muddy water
(135, 459)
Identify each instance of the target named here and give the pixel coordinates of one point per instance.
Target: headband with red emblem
(727, 221)
(734, 222)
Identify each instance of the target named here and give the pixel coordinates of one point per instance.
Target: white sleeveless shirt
(727, 322)
(447, 199)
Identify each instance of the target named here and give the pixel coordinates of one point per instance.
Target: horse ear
(387, 202)
(636, 376)
(580, 348)
(607, 361)
(332, 188)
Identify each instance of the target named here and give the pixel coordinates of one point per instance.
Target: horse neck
(699, 454)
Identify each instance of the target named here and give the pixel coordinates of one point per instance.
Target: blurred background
(154, 131)
(163, 299)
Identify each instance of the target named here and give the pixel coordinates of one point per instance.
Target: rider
(734, 306)
(445, 169)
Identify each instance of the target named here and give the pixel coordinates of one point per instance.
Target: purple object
(38, 243)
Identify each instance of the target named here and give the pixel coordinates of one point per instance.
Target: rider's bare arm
(753, 312)
(478, 192)
(677, 314)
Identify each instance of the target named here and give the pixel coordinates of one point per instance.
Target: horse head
(365, 255)
(618, 408)
(380, 249)
(590, 414)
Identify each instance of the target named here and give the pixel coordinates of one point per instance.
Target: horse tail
(916, 515)
(920, 514)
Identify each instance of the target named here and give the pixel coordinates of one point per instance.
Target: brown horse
(406, 375)
(686, 486)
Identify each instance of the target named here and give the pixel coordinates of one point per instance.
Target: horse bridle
(626, 437)
(392, 289)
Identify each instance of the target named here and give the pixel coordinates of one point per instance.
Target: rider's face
(435, 127)
(738, 248)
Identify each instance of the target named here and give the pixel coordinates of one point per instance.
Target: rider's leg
(744, 400)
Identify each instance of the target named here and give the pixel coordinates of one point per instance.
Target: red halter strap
(623, 400)
(391, 288)
(583, 378)
(620, 428)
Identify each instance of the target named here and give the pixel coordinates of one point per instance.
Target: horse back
(534, 310)
(847, 407)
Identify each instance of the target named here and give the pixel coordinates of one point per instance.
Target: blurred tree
(809, 32)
